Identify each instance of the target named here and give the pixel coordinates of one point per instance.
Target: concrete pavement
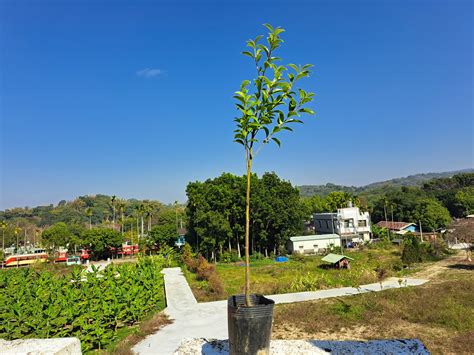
(209, 319)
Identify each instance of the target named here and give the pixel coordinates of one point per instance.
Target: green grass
(269, 277)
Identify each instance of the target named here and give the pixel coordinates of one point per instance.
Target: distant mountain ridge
(411, 180)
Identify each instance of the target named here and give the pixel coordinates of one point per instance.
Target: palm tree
(142, 210)
(89, 214)
(112, 200)
(122, 205)
(4, 226)
(17, 232)
(148, 211)
(137, 215)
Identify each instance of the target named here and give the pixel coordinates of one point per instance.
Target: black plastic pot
(250, 328)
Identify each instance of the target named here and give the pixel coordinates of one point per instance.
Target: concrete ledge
(53, 346)
(310, 347)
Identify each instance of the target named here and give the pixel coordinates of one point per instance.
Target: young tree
(266, 108)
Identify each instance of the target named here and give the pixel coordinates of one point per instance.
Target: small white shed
(313, 244)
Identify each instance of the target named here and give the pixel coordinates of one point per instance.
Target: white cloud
(150, 72)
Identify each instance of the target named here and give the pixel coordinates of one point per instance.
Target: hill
(411, 180)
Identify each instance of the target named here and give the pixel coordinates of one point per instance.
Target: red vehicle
(85, 254)
(62, 256)
(128, 249)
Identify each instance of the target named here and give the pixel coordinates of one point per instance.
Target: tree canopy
(216, 218)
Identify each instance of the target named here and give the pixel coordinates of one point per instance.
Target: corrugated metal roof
(305, 238)
(394, 225)
(334, 258)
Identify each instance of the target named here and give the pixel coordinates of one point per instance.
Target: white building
(313, 244)
(349, 223)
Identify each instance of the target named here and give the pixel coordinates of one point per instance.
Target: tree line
(94, 222)
(215, 215)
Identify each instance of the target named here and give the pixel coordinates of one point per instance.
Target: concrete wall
(313, 246)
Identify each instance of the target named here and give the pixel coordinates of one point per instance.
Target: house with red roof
(398, 227)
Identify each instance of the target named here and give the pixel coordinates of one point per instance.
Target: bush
(229, 257)
(257, 256)
(206, 273)
(204, 270)
(298, 257)
(215, 284)
(412, 250)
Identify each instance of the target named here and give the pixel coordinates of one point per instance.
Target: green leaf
(306, 110)
(277, 141)
(248, 54)
(293, 66)
(268, 26)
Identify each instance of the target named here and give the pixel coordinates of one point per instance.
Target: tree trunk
(247, 231)
(238, 247)
(138, 230)
(230, 246)
(142, 226)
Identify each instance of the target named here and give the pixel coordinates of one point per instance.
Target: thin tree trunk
(238, 247)
(138, 230)
(247, 231)
(142, 226)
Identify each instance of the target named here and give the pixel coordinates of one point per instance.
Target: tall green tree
(270, 105)
(112, 202)
(89, 214)
(101, 240)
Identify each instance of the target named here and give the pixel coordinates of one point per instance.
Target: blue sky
(134, 98)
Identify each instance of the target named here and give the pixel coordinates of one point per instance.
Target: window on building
(362, 223)
(315, 246)
(301, 247)
(348, 223)
(320, 224)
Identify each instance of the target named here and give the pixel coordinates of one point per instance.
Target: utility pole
(3, 225)
(176, 213)
(421, 231)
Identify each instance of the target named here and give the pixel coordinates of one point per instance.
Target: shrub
(412, 250)
(298, 257)
(186, 253)
(204, 270)
(215, 284)
(257, 256)
(308, 282)
(229, 257)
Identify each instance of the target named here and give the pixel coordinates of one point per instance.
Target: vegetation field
(439, 313)
(302, 274)
(96, 307)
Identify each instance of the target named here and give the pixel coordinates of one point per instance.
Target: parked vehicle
(73, 260)
(28, 257)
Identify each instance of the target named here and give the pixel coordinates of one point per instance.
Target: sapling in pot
(268, 105)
